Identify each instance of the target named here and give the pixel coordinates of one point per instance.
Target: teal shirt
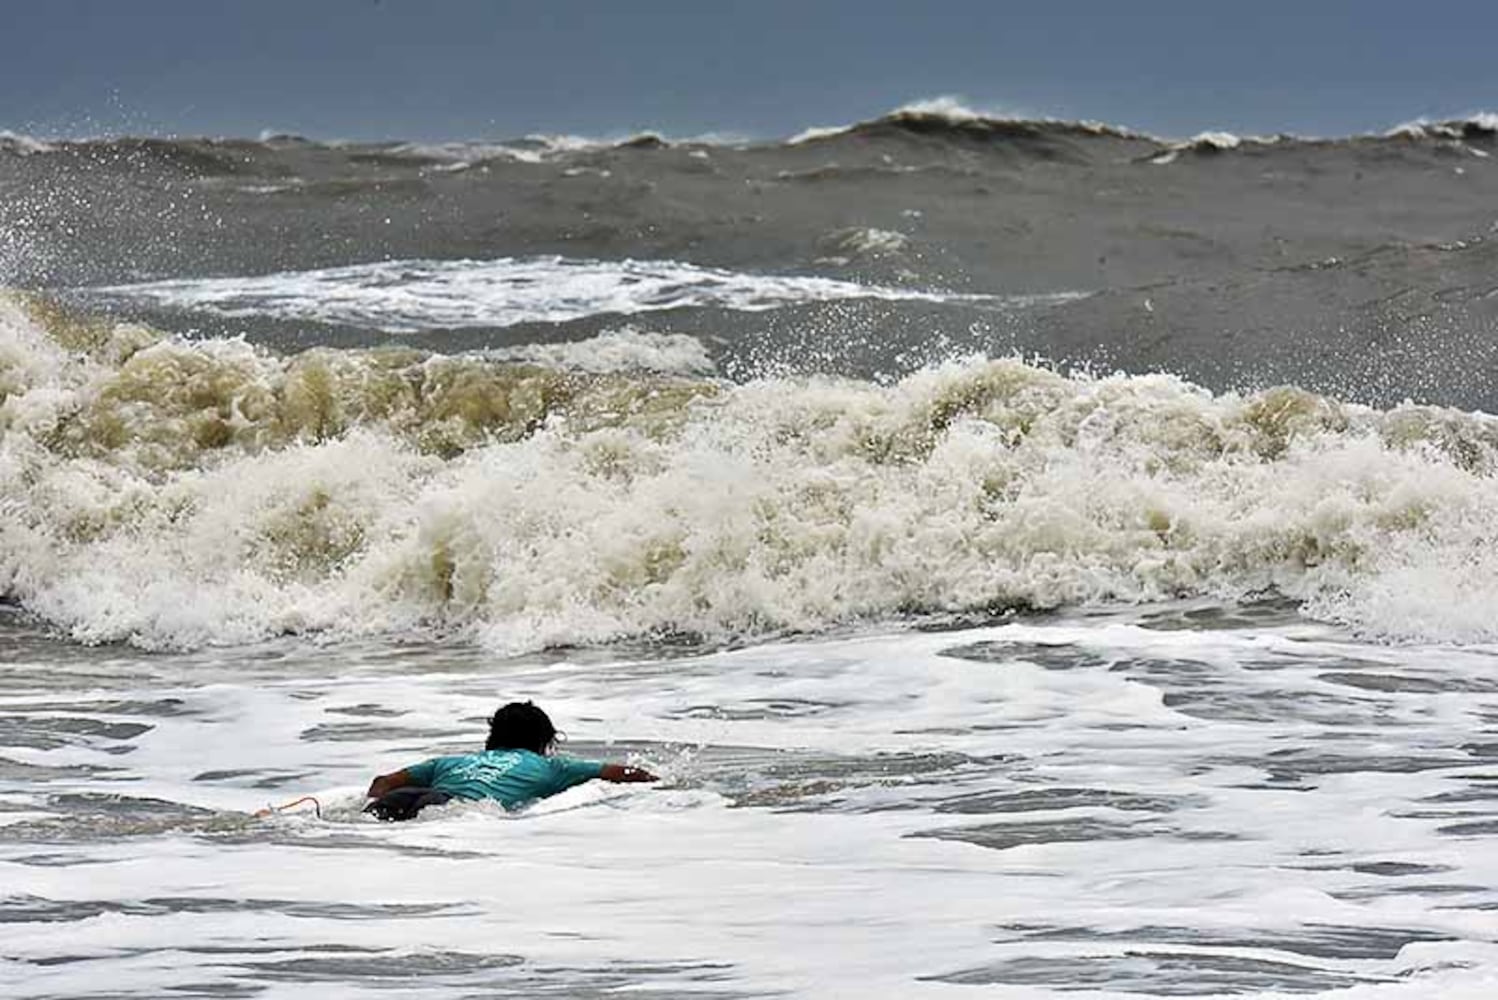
(512, 777)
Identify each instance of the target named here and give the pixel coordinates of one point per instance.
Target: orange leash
(273, 810)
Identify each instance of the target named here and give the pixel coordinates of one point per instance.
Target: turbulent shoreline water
(174, 493)
(1189, 803)
(1038, 556)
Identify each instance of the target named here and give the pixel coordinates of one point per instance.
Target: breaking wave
(624, 350)
(170, 493)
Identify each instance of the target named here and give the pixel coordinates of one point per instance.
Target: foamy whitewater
(417, 296)
(1018, 591)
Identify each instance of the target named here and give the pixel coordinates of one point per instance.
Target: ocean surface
(1040, 559)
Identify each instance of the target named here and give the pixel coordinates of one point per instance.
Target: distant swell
(173, 493)
(942, 120)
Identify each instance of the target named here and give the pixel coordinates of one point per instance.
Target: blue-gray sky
(433, 69)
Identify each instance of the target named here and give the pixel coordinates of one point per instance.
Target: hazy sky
(491, 68)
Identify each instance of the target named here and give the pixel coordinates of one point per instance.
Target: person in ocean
(515, 767)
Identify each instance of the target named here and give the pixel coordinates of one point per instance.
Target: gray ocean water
(1360, 267)
(1040, 559)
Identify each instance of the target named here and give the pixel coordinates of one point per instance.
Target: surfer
(515, 767)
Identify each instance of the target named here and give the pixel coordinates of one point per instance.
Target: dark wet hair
(520, 725)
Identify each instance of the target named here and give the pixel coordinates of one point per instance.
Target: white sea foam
(1445, 128)
(1213, 141)
(531, 149)
(209, 492)
(627, 349)
(1218, 140)
(958, 111)
(545, 148)
(815, 132)
(410, 296)
(953, 109)
(1028, 808)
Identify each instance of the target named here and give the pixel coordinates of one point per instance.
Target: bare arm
(625, 772)
(386, 783)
